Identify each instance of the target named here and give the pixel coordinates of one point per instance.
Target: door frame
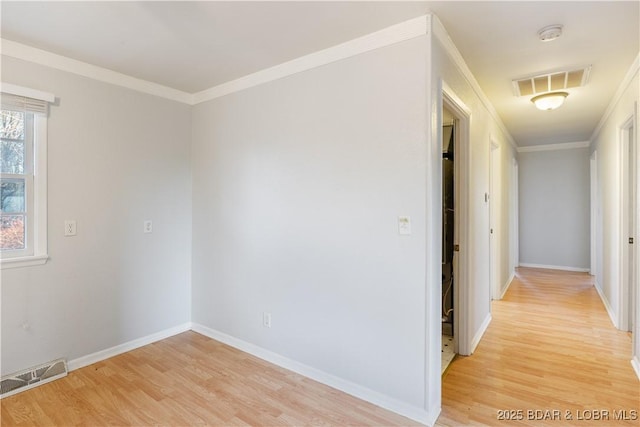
(628, 214)
(593, 175)
(462, 166)
(514, 215)
(494, 218)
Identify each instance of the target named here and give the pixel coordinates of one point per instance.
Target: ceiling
(193, 46)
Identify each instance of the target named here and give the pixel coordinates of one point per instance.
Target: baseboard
(101, 355)
(379, 399)
(635, 362)
(605, 302)
(478, 336)
(555, 267)
(507, 285)
(433, 416)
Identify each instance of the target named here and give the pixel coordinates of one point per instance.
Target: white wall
(607, 142)
(298, 184)
(296, 187)
(116, 158)
(483, 129)
(554, 208)
(449, 70)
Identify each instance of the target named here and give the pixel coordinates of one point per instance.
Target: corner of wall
(607, 306)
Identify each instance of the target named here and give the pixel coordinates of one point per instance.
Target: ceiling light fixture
(549, 101)
(550, 33)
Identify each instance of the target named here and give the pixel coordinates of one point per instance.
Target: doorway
(593, 172)
(494, 219)
(455, 113)
(448, 236)
(629, 236)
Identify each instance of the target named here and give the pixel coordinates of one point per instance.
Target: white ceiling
(192, 46)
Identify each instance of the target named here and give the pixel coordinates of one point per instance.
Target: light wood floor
(550, 346)
(188, 380)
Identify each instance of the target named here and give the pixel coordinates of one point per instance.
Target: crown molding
(628, 78)
(394, 34)
(554, 147)
(441, 34)
(63, 63)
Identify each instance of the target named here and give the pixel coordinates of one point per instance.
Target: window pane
(12, 195)
(11, 125)
(11, 156)
(12, 232)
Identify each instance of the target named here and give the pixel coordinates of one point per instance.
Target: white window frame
(36, 252)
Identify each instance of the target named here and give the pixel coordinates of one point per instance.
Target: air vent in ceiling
(551, 82)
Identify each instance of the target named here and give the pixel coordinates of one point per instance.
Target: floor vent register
(32, 377)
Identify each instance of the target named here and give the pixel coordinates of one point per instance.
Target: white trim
(478, 336)
(555, 147)
(555, 267)
(505, 288)
(27, 261)
(441, 34)
(593, 208)
(635, 363)
(495, 216)
(27, 92)
(605, 302)
(59, 62)
(37, 215)
(628, 78)
(396, 33)
(101, 355)
(379, 399)
(625, 144)
(462, 166)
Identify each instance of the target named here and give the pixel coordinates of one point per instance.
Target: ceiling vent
(551, 82)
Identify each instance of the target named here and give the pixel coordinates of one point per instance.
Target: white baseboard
(605, 302)
(555, 267)
(505, 288)
(635, 362)
(478, 336)
(101, 355)
(379, 399)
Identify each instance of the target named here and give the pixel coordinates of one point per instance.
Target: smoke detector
(550, 33)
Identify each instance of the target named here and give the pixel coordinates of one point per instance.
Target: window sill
(27, 261)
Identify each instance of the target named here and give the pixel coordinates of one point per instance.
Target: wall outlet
(148, 226)
(266, 320)
(70, 227)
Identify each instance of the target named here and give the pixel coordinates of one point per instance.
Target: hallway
(551, 346)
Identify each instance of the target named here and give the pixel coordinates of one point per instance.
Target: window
(23, 185)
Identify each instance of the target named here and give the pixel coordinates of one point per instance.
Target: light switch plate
(148, 226)
(404, 225)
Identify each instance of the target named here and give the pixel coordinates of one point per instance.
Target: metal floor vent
(29, 378)
(551, 82)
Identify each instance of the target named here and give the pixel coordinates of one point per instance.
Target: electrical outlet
(148, 226)
(266, 320)
(70, 227)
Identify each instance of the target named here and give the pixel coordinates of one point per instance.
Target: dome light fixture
(550, 33)
(549, 101)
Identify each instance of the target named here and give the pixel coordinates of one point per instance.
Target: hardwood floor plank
(188, 379)
(551, 345)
